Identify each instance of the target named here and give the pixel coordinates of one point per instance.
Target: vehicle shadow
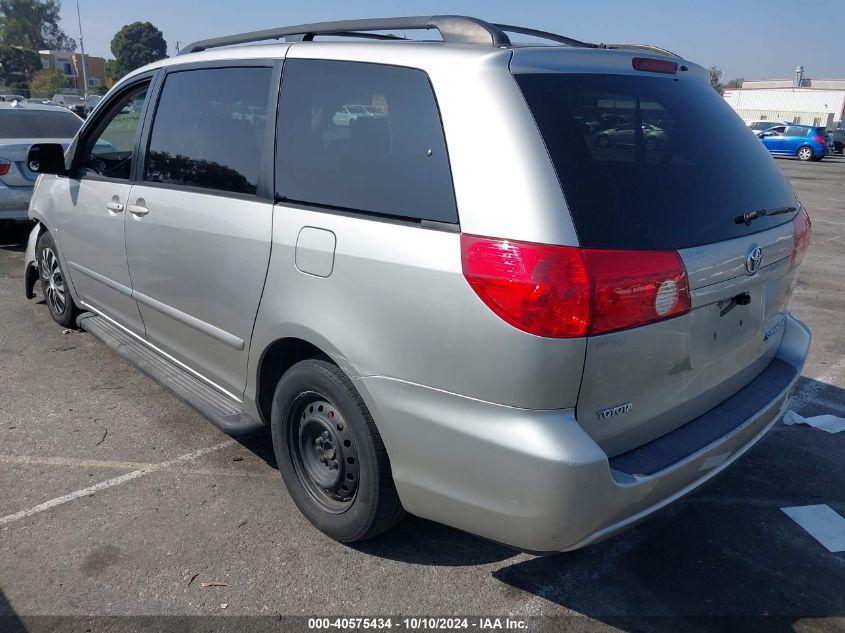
(9, 620)
(13, 236)
(414, 540)
(727, 558)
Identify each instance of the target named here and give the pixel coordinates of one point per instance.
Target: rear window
(26, 124)
(363, 137)
(796, 131)
(652, 163)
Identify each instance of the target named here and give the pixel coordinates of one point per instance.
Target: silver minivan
(468, 307)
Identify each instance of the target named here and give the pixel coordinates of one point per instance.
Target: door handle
(138, 210)
(114, 205)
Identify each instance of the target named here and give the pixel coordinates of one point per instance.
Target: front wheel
(54, 284)
(805, 153)
(330, 454)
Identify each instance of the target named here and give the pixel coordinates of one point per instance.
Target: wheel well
(276, 360)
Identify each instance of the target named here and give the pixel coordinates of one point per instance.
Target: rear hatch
(20, 128)
(681, 182)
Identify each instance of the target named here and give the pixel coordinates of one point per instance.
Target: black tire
(603, 140)
(330, 454)
(54, 284)
(651, 143)
(804, 153)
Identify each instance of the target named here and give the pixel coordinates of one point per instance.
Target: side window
(363, 137)
(796, 131)
(209, 128)
(110, 151)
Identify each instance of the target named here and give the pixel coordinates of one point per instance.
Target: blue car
(807, 142)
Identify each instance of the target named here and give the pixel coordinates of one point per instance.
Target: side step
(225, 413)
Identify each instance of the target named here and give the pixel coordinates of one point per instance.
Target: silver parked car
(21, 124)
(463, 309)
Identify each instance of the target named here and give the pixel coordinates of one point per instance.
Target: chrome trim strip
(124, 290)
(206, 328)
(162, 353)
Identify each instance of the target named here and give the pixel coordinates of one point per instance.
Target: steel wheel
(54, 281)
(323, 452)
(805, 153)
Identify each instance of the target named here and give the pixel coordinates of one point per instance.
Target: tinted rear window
(363, 137)
(796, 131)
(652, 163)
(38, 124)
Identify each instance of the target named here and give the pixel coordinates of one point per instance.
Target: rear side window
(362, 137)
(651, 162)
(26, 124)
(796, 131)
(209, 128)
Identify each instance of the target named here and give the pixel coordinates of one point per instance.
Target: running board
(226, 414)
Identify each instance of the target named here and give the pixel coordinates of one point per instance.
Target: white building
(799, 100)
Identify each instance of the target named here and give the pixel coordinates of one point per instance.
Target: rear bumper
(535, 479)
(14, 203)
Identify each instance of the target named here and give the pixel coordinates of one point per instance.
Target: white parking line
(821, 522)
(109, 483)
(106, 464)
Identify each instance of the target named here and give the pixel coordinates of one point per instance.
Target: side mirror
(46, 158)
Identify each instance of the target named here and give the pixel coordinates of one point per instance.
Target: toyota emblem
(753, 259)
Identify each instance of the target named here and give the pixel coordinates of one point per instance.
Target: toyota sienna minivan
(467, 307)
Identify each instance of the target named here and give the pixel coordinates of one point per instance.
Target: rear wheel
(54, 284)
(330, 454)
(805, 153)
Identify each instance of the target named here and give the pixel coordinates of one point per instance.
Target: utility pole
(177, 46)
(83, 63)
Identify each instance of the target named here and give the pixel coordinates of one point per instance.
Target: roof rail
(546, 35)
(646, 48)
(452, 28)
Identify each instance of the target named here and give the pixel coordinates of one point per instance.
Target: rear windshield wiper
(750, 216)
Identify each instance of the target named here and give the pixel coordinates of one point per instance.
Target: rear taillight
(820, 139)
(541, 289)
(5, 166)
(801, 240)
(633, 288)
(564, 292)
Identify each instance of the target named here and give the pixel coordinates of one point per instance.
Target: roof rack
(546, 35)
(453, 28)
(646, 48)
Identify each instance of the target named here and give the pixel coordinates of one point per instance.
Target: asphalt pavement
(119, 500)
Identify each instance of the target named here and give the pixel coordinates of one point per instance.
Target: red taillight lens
(540, 289)
(5, 166)
(801, 240)
(562, 292)
(633, 288)
(654, 65)
(820, 139)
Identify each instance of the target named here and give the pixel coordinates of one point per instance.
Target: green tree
(715, 78)
(33, 24)
(18, 64)
(135, 45)
(47, 83)
(735, 83)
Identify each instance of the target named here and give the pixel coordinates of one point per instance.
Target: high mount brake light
(647, 64)
(565, 292)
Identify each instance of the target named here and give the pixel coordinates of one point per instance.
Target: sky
(743, 38)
